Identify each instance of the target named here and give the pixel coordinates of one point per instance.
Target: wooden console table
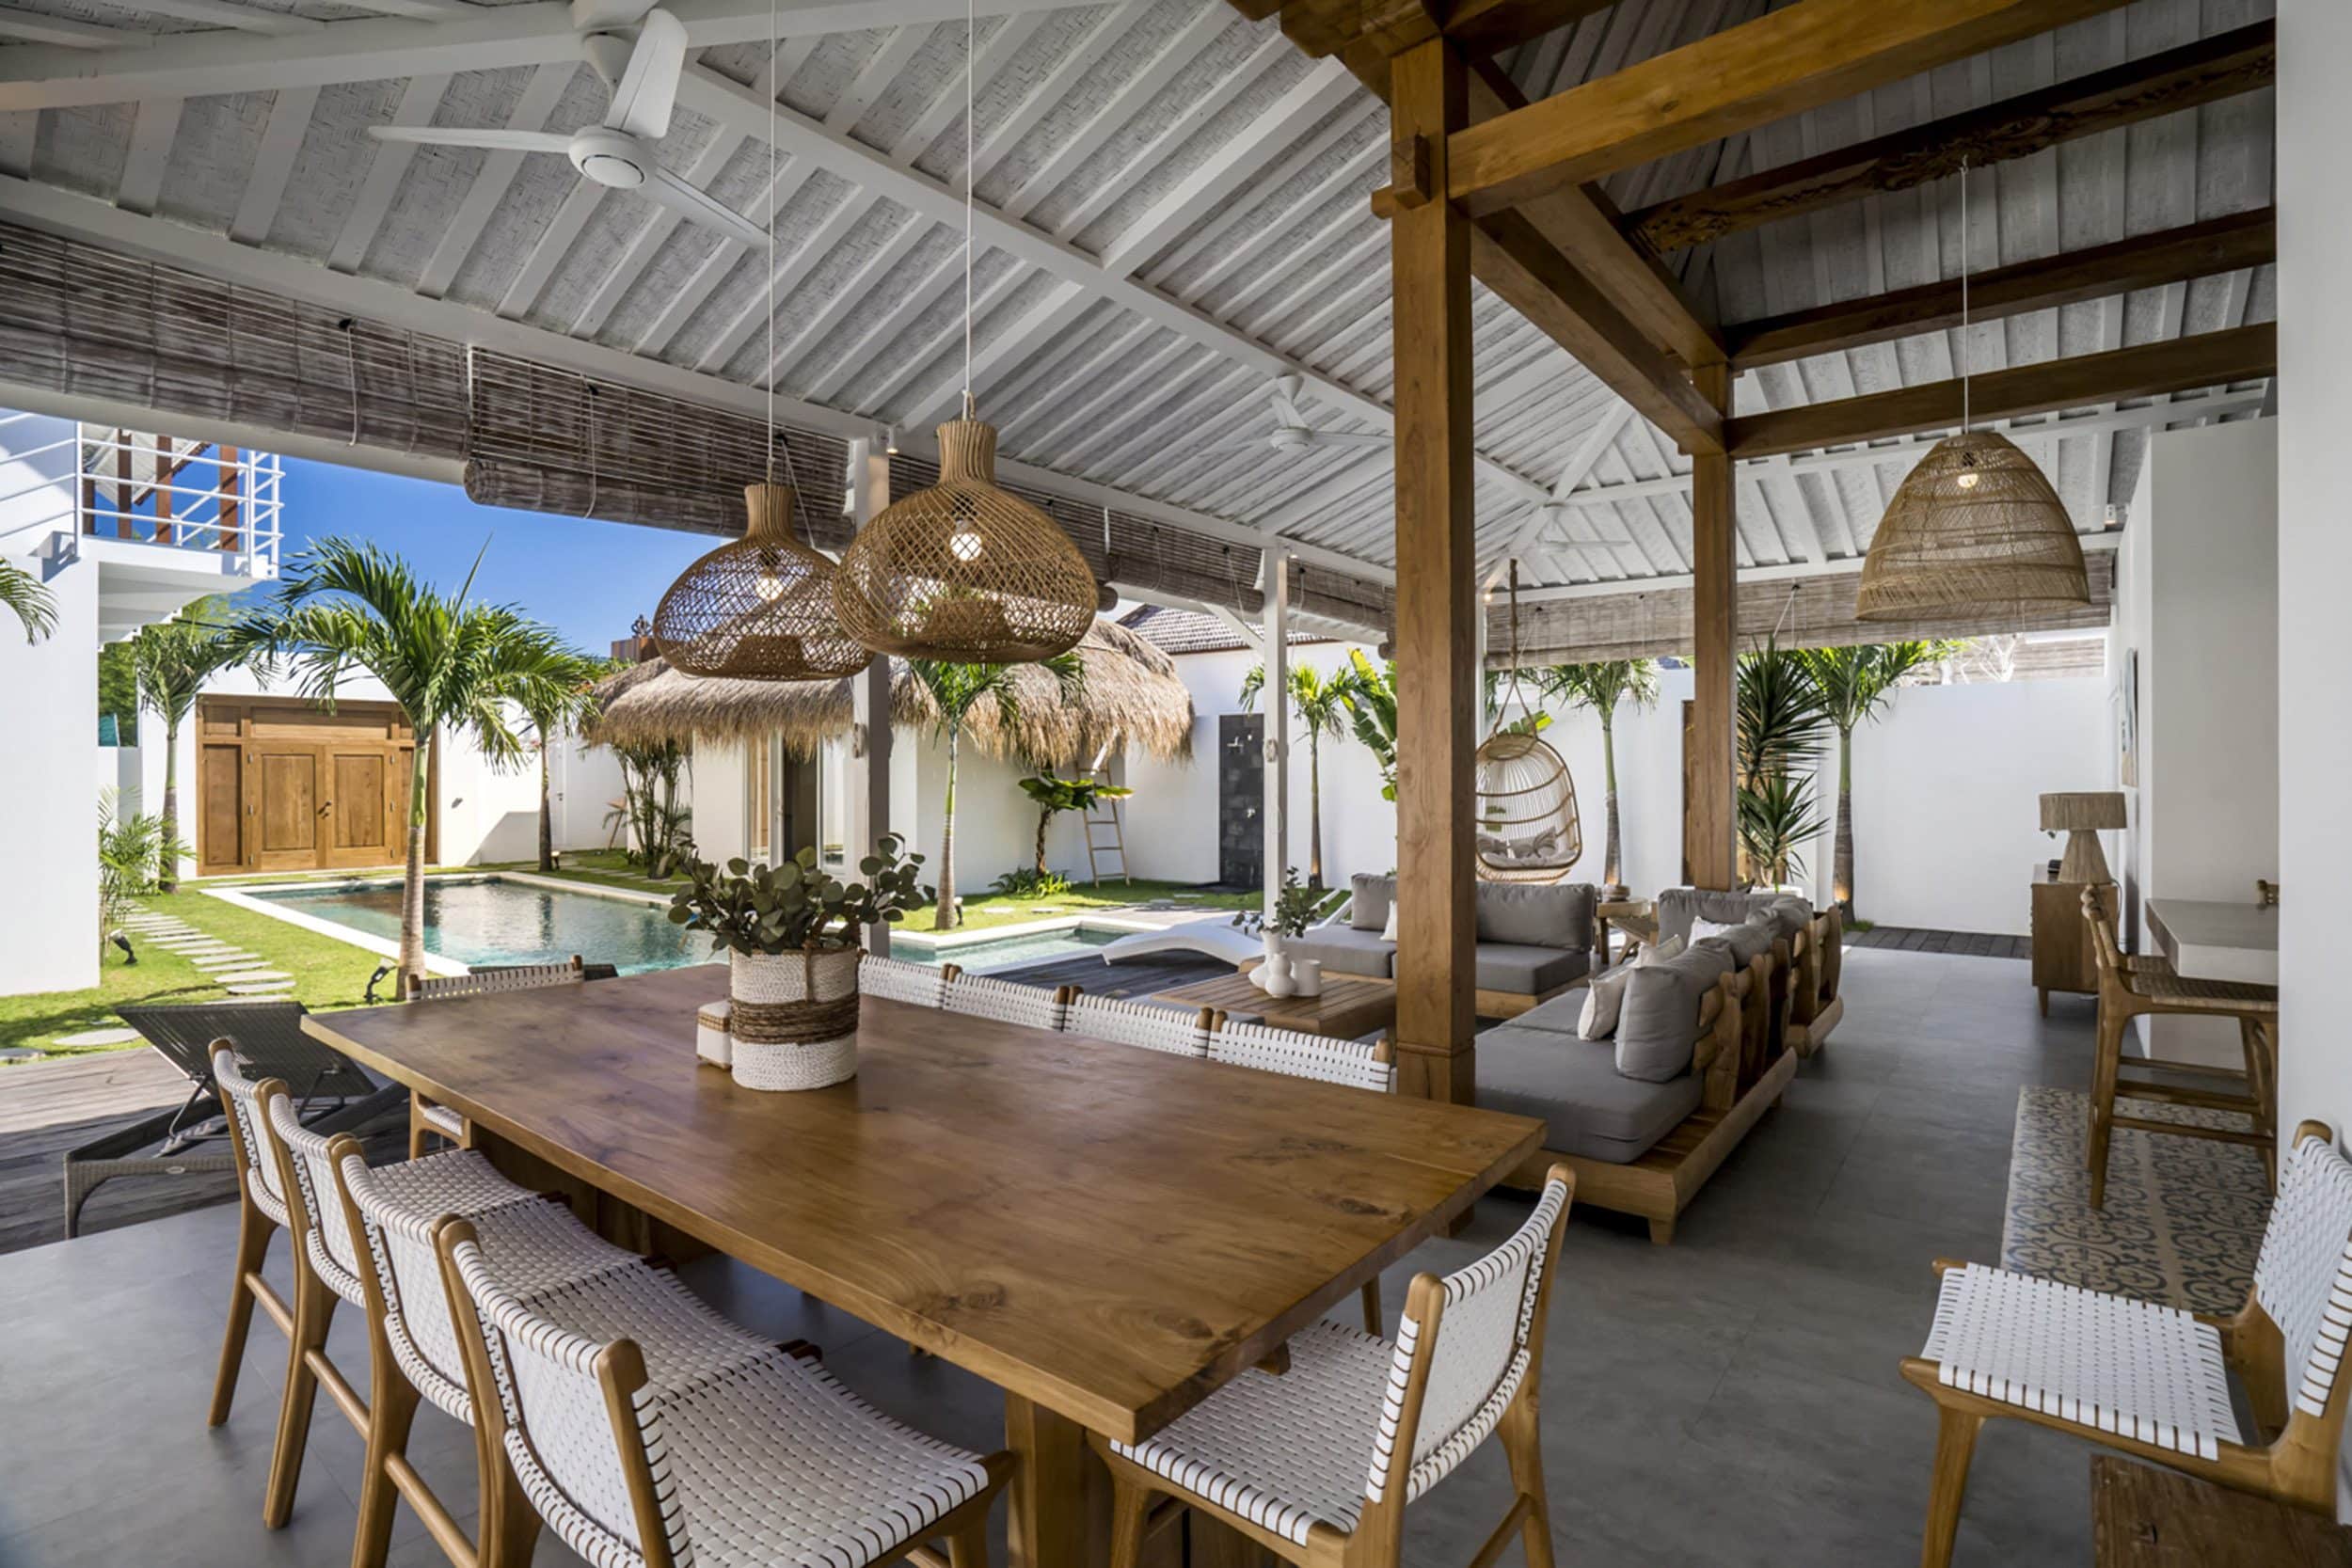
(2062, 955)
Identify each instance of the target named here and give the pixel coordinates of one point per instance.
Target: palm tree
(453, 668)
(35, 607)
(957, 691)
(552, 709)
(1321, 701)
(1853, 685)
(1778, 730)
(1602, 685)
(1372, 713)
(170, 661)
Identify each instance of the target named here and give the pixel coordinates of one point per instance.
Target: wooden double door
(284, 785)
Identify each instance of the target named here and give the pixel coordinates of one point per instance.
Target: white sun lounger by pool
(1214, 936)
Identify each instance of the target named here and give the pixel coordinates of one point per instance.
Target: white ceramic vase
(1307, 977)
(1274, 976)
(793, 1018)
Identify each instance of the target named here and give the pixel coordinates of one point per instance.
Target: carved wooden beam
(2150, 369)
(2146, 260)
(2205, 72)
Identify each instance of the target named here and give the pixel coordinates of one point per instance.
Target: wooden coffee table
(1349, 1007)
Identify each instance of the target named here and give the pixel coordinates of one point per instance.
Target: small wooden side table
(2062, 955)
(2145, 1517)
(1349, 1007)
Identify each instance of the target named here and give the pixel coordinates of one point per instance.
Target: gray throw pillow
(1369, 911)
(1657, 1026)
(1536, 915)
(1746, 940)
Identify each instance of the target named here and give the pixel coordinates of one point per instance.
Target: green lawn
(981, 908)
(327, 973)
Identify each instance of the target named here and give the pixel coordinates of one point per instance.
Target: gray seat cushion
(1657, 1028)
(1346, 950)
(1574, 1086)
(1559, 1016)
(1531, 915)
(1525, 971)
(1368, 908)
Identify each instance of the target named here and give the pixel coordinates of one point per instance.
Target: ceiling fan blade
(647, 91)
(497, 140)
(690, 200)
(1284, 394)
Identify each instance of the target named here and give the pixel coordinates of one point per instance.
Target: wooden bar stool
(2130, 986)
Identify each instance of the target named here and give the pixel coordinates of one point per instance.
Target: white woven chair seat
(775, 1463)
(2148, 1372)
(442, 1119)
(459, 1182)
(1282, 1451)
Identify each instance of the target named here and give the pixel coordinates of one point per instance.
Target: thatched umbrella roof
(1131, 696)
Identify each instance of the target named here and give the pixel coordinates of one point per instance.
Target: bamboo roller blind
(79, 320)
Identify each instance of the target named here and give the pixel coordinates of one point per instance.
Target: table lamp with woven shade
(2080, 815)
(759, 608)
(966, 571)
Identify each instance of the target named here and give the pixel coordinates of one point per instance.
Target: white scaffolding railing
(159, 490)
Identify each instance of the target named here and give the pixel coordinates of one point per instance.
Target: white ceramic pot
(1307, 977)
(793, 1018)
(1274, 976)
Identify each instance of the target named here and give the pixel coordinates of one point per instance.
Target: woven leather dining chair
(648, 1431)
(1172, 1031)
(1317, 1465)
(413, 1348)
(427, 1121)
(1358, 1064)
(2131, 985)
(922, 985)
(1007, 1002)
(2154, 1381)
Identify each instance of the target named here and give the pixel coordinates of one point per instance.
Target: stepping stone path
(218, 961)
(244, 977)
(261, 988)
(99, 1036)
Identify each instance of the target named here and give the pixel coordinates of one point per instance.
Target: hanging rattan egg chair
(1528, 829)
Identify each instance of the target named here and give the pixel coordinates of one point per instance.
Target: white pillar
(1278, 725)
(868, 813)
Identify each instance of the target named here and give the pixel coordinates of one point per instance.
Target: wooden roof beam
(2206, 250)
(2150, 370)
(2205, 72)
(1798, 57)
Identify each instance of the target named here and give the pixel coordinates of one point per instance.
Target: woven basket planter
(793, 1020)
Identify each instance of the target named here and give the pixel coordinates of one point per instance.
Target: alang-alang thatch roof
(1131, 696)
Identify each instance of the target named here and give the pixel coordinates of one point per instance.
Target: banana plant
(1054, 796)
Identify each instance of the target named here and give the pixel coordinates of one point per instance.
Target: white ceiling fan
(1291, 433)
(643, 77)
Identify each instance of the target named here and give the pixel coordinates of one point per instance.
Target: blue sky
(587, 580)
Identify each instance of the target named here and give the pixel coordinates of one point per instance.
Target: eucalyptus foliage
(796, 906)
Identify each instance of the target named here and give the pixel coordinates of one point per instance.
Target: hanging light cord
(970, 9)
(1962, 293)
(774, 87)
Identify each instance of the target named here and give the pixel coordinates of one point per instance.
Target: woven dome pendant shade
(963, 571)
(759, 608)
(1976, 527)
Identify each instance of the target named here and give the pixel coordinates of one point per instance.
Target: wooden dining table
(1108, 1234)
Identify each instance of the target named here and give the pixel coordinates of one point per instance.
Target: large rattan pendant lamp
(966, 571)
(1975, 527)
(761, 606)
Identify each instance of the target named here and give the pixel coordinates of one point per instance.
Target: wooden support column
(869, 696)
(1437, 604)
(1276, 746)
(1709, 838)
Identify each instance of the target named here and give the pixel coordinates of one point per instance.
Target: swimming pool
(994, 954)
(490, 920)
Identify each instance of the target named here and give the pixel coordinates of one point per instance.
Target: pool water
(489, 921)
(993, 955)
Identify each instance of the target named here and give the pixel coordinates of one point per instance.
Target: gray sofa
(1806, 1000)
(1534, 941)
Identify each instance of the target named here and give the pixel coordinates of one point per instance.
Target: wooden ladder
(1115, 849)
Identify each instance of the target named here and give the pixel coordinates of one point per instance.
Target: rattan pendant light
(1976, 527)
(966, 571)
(761, 606)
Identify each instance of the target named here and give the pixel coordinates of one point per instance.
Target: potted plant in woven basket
(790, 933)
